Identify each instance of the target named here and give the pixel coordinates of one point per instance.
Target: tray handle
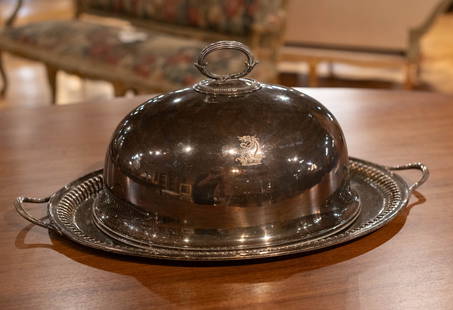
(19, 205)
(414, 166)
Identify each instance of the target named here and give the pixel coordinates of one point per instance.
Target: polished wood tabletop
(408, 264)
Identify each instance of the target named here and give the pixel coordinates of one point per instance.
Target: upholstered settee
(156, 53)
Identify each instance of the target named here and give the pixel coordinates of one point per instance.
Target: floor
(28, 83)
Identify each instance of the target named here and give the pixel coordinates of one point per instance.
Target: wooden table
(406, 265)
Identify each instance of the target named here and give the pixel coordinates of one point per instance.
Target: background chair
(384, 33)
(156, 54)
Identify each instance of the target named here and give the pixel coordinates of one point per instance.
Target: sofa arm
(12, 18)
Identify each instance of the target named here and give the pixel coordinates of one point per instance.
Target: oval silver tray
(383, 194)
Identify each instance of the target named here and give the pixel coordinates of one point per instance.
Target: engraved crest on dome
(250, 153)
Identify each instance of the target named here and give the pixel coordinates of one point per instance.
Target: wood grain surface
(408, 264)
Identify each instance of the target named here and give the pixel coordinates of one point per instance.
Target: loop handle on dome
(202, 64)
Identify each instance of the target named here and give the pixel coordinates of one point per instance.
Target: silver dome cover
(227, 163)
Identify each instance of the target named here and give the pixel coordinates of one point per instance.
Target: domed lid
(227, 163)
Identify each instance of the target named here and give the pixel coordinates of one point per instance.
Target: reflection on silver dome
(194, 169)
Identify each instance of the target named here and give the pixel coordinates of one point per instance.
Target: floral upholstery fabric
(236, 17)
(154, 60)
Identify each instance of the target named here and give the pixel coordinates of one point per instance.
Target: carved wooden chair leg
(418, 71)
(331, 69)
(52, 79)
(312, 74)
(3, 76)
(410, 75)
(119, 89)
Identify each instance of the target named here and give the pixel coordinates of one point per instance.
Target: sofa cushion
(143, 59)
(235, 17)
